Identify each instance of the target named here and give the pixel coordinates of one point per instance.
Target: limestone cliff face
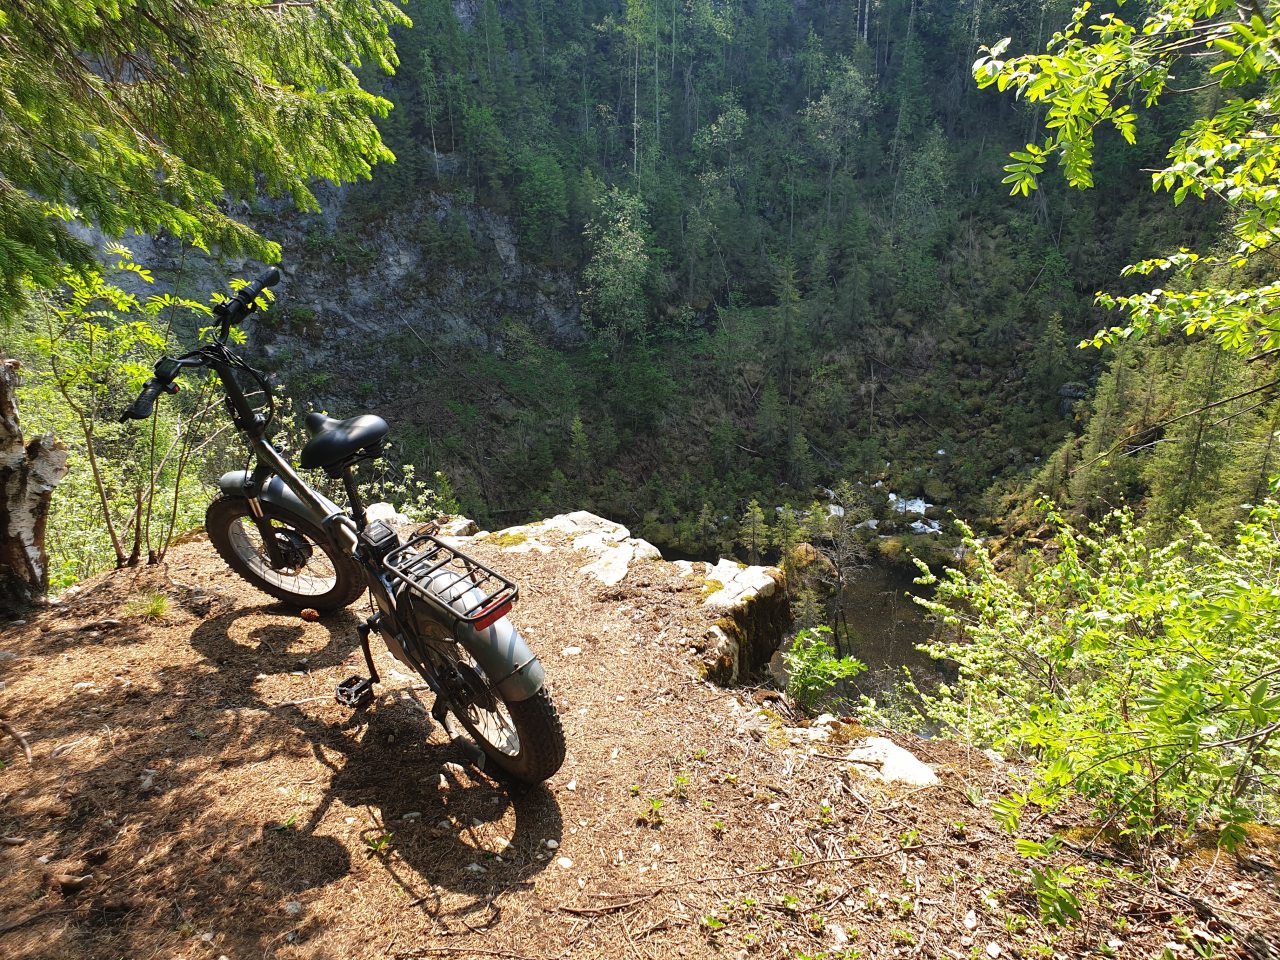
(361, 294)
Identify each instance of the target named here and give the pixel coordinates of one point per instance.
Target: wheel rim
(487, 717)
(313, 577)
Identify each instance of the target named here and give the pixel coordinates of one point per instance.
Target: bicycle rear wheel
(523, 738)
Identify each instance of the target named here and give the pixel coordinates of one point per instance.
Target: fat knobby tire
(541, 739)
(349, 584)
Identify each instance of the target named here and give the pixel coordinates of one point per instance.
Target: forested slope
(795, 259)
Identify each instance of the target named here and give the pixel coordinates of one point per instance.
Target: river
(884, 626)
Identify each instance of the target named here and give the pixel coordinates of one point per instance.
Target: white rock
(571, 785)
(386, 513)
(808, 734)
(581, 523)
(293, 908)
(612, 565)
(457, 527)
(551, 844)
(925, 526)
(474, 868)
(564, 863)
(835, 510)
(881, 759)
(528, 546)
(908, 505)
(970, 920)
(993, 950)
(644, 550)
(684, 567)
(740, 584)
(571, 652)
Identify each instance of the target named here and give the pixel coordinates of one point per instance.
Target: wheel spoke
(496, 728)
(320, 578)
(484, 713)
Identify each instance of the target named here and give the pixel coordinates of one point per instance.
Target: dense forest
(797, 265)
(784, 265)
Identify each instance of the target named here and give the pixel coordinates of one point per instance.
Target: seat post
(353, 495)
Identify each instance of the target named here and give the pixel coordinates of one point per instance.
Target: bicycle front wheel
(312, 572)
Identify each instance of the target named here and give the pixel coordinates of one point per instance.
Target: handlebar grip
(269, 278)
(140, 409)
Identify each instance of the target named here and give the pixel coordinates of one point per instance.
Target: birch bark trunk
(28, 474)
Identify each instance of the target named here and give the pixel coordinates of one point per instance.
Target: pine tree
(753, 532)
(150, 114)
(786, 534)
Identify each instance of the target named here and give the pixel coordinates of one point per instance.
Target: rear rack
(475, 595)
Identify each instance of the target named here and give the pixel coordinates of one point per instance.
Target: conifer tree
(753, 532)
(151, 114)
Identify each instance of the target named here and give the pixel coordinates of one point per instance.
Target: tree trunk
(28, 474)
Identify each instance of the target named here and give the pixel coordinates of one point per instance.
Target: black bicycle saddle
(333, 441)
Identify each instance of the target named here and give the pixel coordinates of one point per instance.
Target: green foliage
(130, 487)
(542, 201)
(619, 275)
(151, 606)
(1092, 75)
(791, 264)
(1141, 677)
(753, 532)
(146, 116)
(814, 669)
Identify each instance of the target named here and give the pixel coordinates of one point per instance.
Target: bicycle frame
(498, 648)
(440, 612)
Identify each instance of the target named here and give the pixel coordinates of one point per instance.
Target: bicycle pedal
(354, 692)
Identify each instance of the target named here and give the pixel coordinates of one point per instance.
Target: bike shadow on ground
(396, 787)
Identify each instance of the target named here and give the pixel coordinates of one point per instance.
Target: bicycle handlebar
(167, 368)
(140, 409)
(241, 305)
(268, 278)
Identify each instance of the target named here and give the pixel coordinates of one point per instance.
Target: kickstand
(440, 712)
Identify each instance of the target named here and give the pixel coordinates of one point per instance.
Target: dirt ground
(195, 792)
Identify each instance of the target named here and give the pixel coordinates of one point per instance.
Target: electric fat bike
(439, 611)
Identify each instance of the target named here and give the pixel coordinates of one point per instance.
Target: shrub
(1145, 678)
(813, 669)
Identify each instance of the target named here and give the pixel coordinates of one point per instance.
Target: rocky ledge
(752, 612)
